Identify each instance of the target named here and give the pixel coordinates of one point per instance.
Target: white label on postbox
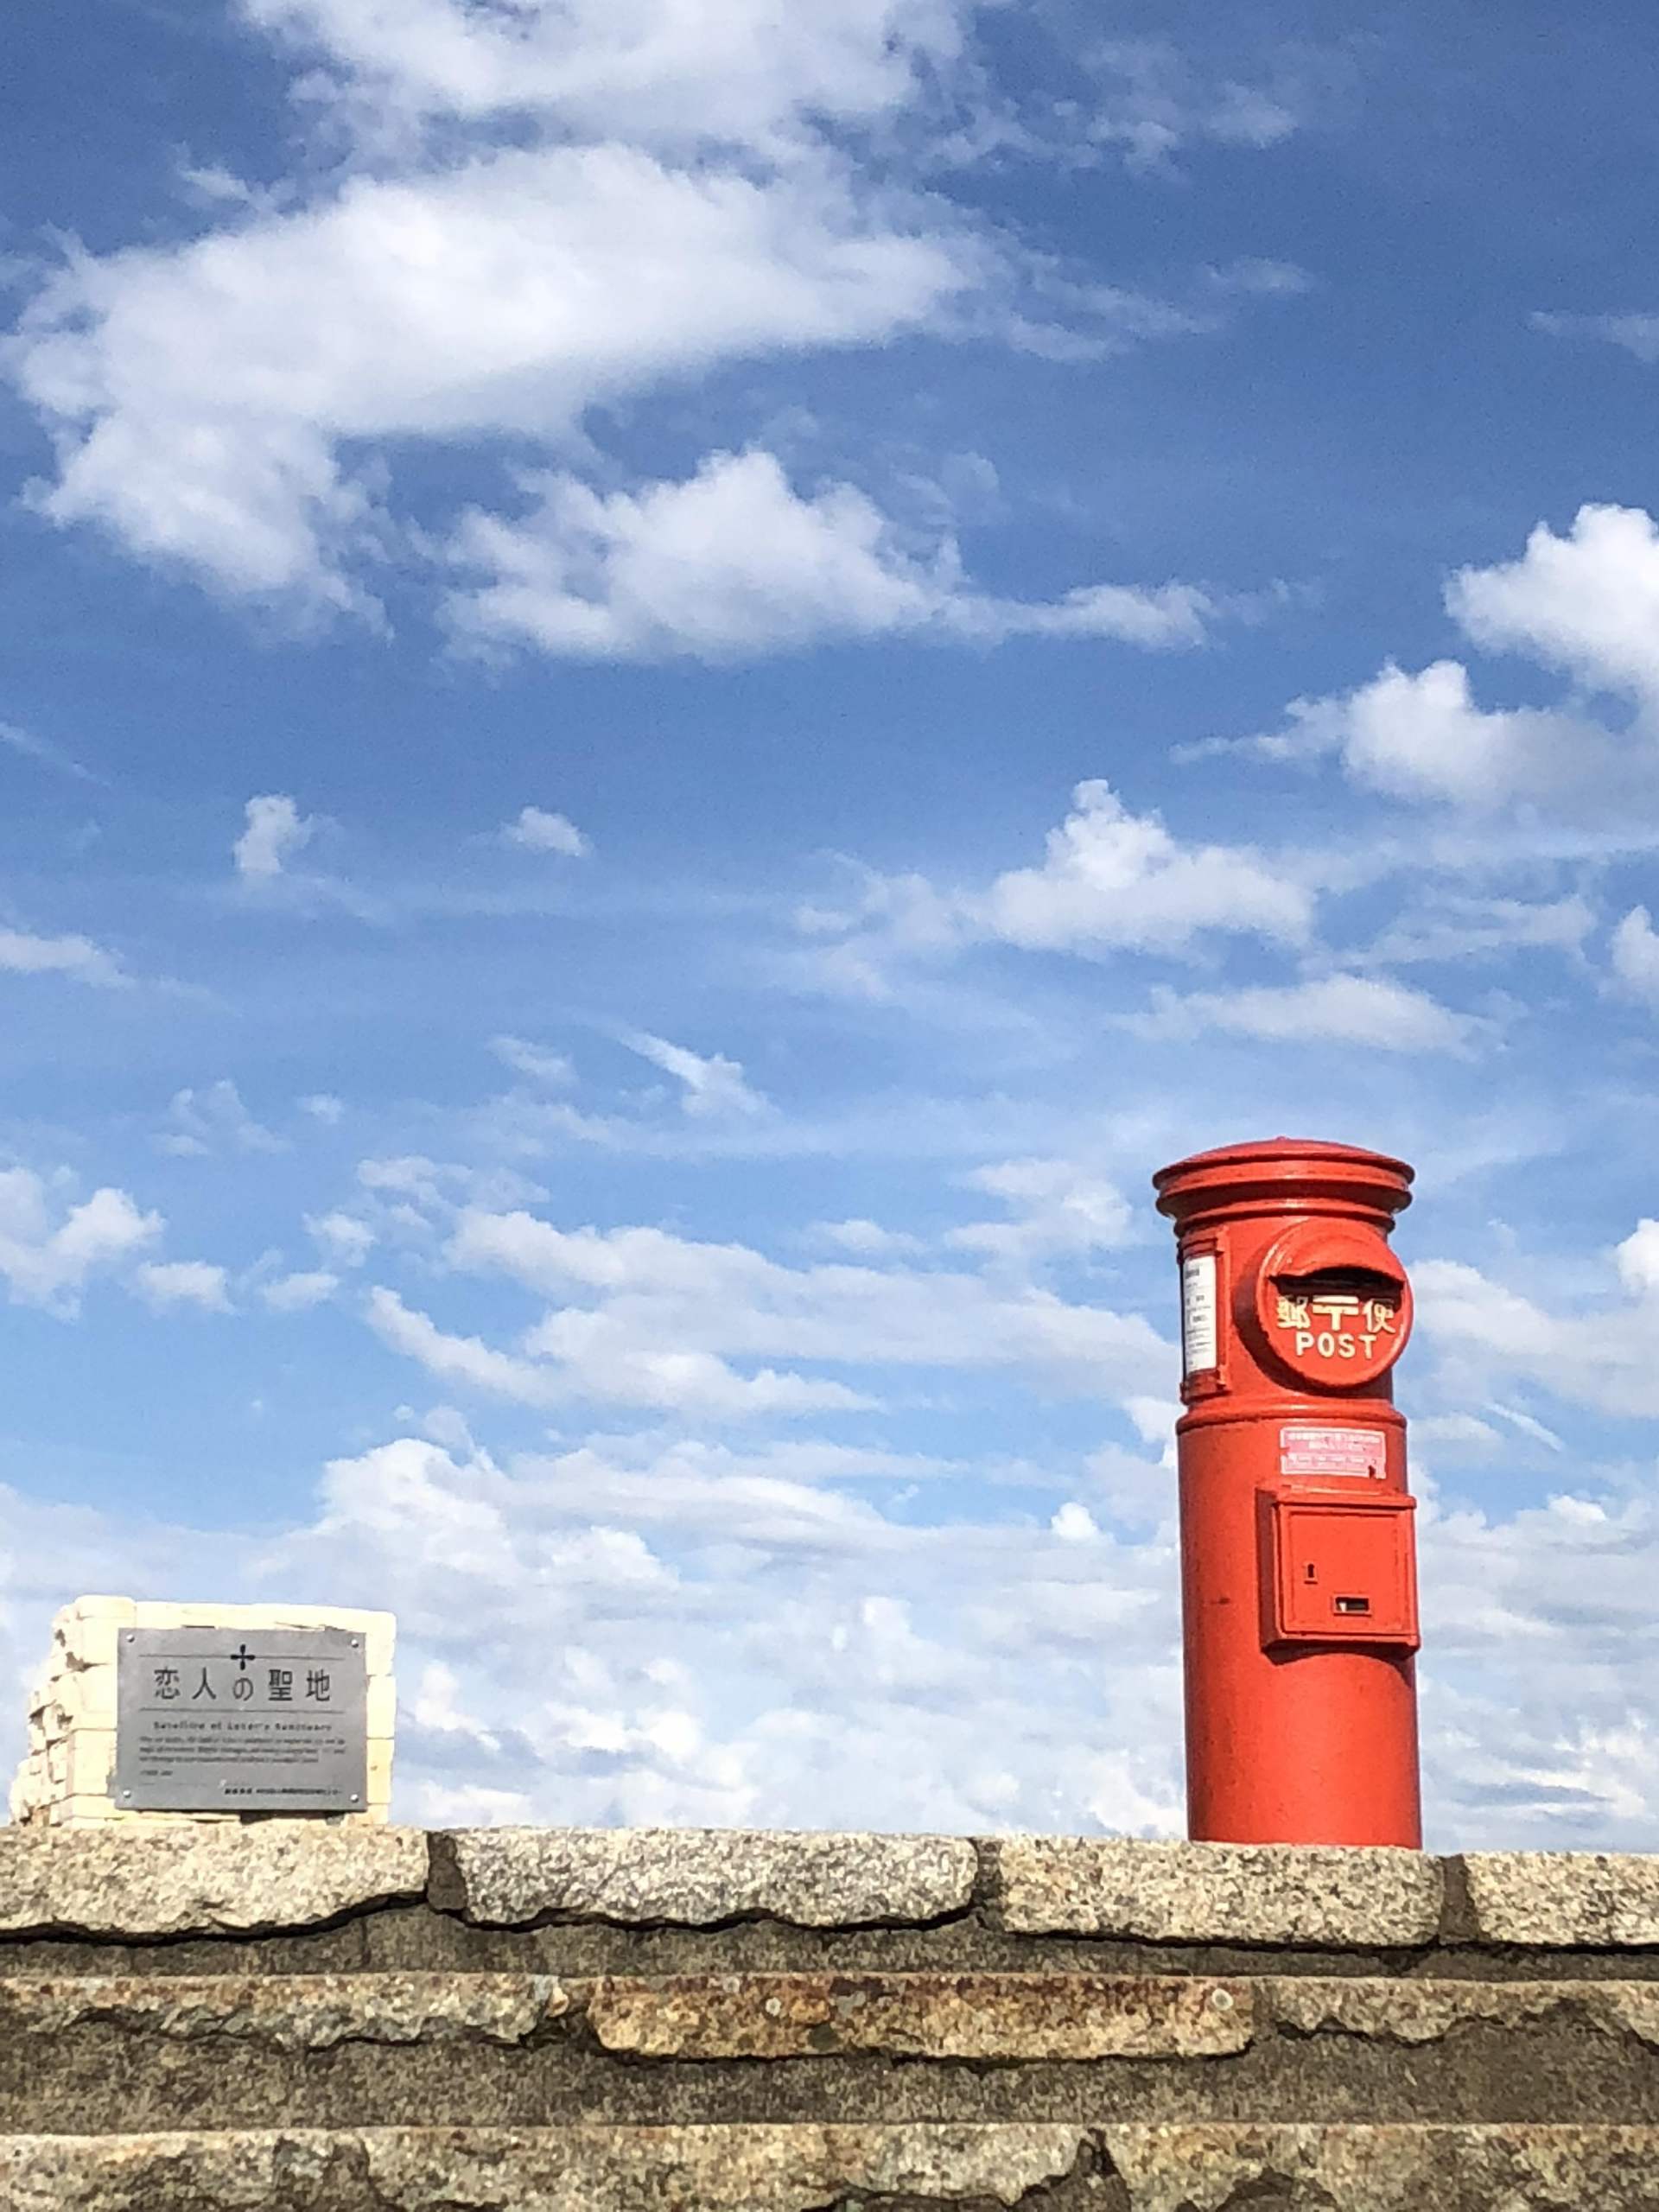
(1200, 1349)
(1320, 1451)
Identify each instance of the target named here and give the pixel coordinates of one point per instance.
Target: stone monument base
(67, 1779)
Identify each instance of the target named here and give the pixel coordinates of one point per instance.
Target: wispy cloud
(553, 1069)
(201, 1123)
(1635, 333)
(77, 958)
(47, 755)
(711, 1086)
(1342, 1009)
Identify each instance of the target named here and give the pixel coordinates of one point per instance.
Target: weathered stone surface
(1012, 2017)
(291, 2012)
(1215, 1892)
(1426, 2011)
(699, 1877)
(1564, 1900)
(808, 2169)
(1406, 2169)
(177, 1880)
(789, 2169)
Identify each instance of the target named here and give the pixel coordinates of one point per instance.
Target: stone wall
(328, 2020)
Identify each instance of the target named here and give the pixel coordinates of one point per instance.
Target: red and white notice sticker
(1304, 1451)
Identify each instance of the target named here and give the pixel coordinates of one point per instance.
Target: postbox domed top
(1284, 1174)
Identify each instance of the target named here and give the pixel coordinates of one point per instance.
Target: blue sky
(680, 684)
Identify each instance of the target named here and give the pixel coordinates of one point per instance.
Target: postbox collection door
(1338, 1570)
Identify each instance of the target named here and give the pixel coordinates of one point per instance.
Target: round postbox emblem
(1330, 1302)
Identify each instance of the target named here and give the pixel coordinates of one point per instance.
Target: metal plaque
(214, 1721)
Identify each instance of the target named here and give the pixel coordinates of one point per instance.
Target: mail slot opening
(1348, 1285)
(1350, 1605)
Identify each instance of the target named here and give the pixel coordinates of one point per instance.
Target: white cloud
(1552, 1600)
(669, 71)
(655, 1295)
(1600, 1356)
(1058, 1207)
(411, 1186)
(1336, 1009)
(184, 1282)
(48, 1253)
(78, 957)
(712, 1088)
(1637, 1259)
(573, 1355)
(1634, 949)
(685, 1693)
(1133, 1492)
(733, 562)
(276, 831)
(536, 831)
(553, 1068)
(1587, 603)
(1113, 880)
(866, 1240)
(297, 1293)
(1423, 737)
(596, 1361)
(204, 1122)
(322, 1106)
(200, 395)
(465, 1360)
(344, 1239)
(728, 563)
(1075, 1524)
(1153, 1420)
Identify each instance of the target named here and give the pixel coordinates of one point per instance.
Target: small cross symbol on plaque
(243, 1658)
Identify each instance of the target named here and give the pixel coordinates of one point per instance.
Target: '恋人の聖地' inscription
(209, 1720)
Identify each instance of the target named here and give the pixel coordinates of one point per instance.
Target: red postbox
(1299, 1586)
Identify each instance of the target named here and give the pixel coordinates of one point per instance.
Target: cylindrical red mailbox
(1299, 1587)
